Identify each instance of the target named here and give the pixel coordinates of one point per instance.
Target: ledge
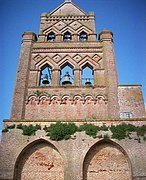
(124, 85)
(78, 120)
(64, 87)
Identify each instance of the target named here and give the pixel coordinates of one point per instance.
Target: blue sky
(125, 18)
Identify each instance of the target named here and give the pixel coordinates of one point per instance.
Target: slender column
(55, 77)
(77, 77)
(59, 37)
(75, 37)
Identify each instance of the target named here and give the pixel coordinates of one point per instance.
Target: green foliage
(122, 131)
(141, 131)
(89, 129)
(29, 130)
(5, 130)
(38, 93)
(11, 126)
(8, 127)
(60, 131)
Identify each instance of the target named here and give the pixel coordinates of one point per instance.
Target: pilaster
(106, 38)
(18, 109)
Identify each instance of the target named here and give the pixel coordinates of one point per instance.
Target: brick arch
(40, 160)
(88, 60)
(67, 60)
(46, 61)
(51, 29)
(84, 28)
(106, 160)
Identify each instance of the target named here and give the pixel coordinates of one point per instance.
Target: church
(70, 119)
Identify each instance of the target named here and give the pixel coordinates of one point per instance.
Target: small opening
(87, 75)
(46, 76)
(67, 76)
(83, 36)
(51, 37)
(67, 36)
(126, 115)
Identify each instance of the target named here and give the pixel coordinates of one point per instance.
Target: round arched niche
(39, 160)
(106, 160)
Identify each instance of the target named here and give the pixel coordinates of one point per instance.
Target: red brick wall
(131, 100)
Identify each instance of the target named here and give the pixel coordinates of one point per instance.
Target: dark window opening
(67, 36)
(51, 37)
(83, 36)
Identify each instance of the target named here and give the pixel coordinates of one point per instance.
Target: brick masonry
(82, 157)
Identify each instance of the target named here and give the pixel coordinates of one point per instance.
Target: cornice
(95, 47)
(78, 120)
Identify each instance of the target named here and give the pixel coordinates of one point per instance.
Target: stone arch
(106, 160)
(39, 160)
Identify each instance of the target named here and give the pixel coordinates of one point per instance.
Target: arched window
(67, 77)
(67, 36)
(83, 36)
(87, 75)
(51, 37)
(45, 75)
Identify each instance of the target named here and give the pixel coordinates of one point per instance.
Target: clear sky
(125, 18)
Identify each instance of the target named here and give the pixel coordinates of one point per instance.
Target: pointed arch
(51, 37)
(87, 60)
(83, 36)
(67, 36)
(67, 60)
(40, 159)
(105, 159)
(44, 61)
(51, 29)
(67, 29)
(85, 29)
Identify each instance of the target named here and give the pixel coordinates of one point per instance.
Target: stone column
(20, 91)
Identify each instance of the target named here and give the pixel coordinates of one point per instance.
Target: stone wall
(80, 158)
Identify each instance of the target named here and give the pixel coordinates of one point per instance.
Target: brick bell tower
(67, 39)
(67, 75)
